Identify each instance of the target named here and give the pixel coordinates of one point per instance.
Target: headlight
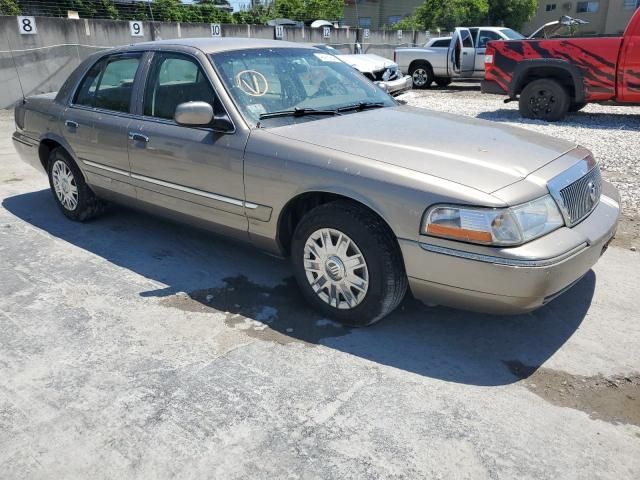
(491, 226)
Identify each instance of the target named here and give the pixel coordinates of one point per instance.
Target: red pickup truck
(551, 77)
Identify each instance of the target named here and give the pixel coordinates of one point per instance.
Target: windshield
(511, 34)
(268, 80)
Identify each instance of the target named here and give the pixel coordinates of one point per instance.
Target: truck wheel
(544, 99)
(73, 196)
(443, 82)
(577, 106)
(421, 74)
(348, 263)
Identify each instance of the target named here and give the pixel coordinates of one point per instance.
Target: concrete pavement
(132, 347)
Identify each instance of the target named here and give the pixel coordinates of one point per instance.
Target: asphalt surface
(132, 347)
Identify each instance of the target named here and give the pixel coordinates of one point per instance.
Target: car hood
(480, 154)
(367, 62)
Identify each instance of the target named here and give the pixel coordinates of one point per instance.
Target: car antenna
(15, 65)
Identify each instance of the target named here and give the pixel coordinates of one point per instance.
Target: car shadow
(591, 120)
(201, 272)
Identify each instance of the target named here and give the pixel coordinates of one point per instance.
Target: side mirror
(193, 113)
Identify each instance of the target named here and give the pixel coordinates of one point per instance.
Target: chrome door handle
(138, 137)
(71, 125)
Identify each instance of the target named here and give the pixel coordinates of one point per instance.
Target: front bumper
(492, 282)
(398, 86)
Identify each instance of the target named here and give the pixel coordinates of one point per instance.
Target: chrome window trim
(566, 178)
(509, 262)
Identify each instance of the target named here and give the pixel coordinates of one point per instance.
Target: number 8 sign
(136, 28)
(27, 25)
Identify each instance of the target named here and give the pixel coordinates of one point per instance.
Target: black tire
(577, 106)
(421, 74)
(443, 82)
(379, 247)
(88, 205)
(544, 99)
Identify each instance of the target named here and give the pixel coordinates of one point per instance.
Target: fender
(525, 66)
(341, 191)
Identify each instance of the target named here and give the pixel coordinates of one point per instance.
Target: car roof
(215, 45)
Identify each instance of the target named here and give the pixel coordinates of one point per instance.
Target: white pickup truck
(462, 57)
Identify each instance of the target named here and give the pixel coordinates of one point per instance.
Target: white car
(382, 71)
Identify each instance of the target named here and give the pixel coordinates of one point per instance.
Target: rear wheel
(348, 263)
(72, 195)
(421, 74)
(544, 99)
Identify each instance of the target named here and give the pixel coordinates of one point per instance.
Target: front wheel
(443, 82)
(544, 99)
(348, 263)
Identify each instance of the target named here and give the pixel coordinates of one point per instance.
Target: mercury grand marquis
(288, 148)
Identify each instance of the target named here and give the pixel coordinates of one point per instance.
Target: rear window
(109, 83)
(441, 43)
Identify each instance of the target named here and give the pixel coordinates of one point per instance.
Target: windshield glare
(512, 34)
(270, 80)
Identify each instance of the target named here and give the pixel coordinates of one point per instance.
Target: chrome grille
(582, 196)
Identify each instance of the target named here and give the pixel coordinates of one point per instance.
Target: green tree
(434, 14)
(305, 10)
(9, 7)
(256, 15)
(511, 13)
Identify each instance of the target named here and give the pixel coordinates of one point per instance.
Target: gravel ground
(612, 133)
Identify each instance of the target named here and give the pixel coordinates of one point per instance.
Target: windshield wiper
(298, 112)
(361, 106)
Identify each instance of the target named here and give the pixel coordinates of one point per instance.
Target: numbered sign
(216, 30)
(326, 33)
(366, 33)
(279, 32)
(27, 25)
(399, 34)
(137, 30)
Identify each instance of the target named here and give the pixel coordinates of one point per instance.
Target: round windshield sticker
(252, 83)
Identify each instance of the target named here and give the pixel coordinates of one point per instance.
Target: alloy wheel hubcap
(336, 269)
(420, 77)
(64, 185)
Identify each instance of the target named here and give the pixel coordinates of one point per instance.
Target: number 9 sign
(27, 25)
(136, 28)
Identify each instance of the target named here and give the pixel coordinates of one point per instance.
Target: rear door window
(109, 83)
